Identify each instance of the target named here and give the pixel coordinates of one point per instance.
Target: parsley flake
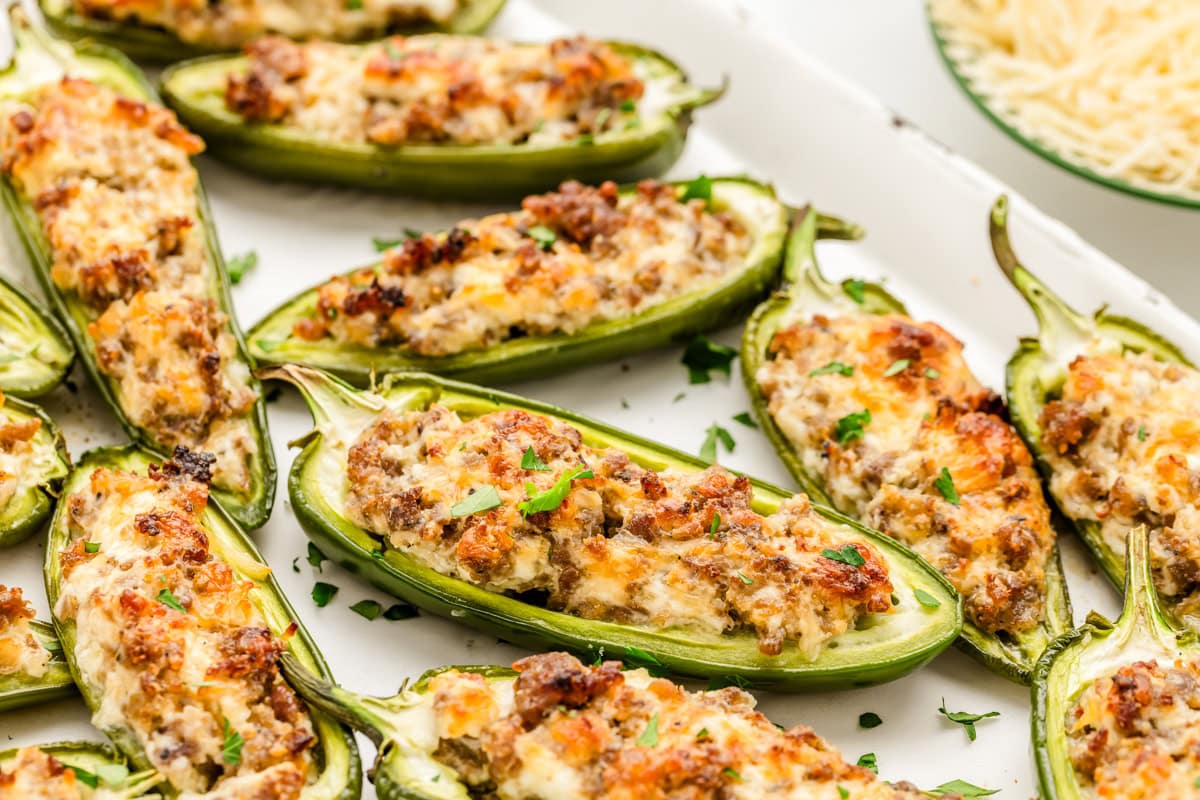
(715, 433)
(322, 593)
(945, 485)
(961, 788)
(485, 498)
(531, 461)
(231, 750)
(898, 366)
(628, 105)
(702, 734)
(168, 599)
(744, 579)
(399, 611)
(851, 426)
(856, 289)
(704, 355)
(847, 555)
(832, 368)
(640, 658)
(744, 418)
(354, 5)
(367, 609)
(932, 373)
(697, 189)
(316, 557)
(715, 525)
(926, 599)
(966, 719)
(543, 236)
(553, 497)
(85, 777)
(868, 761)
(869, 719)
(843, 792)
(1141, 434)
(649, 737)
(91, 547)
(732, 773)
(238, 266)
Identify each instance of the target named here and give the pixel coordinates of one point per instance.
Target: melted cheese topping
(1108, 83)
(658, 549)
(563, 731)
(1136, 734)
(226, 24)
(930, 414)
(439, 89)
(23, 464)
(20, 651)
(180, 681)
(488, 280)
(115, 190)
(1123, 442)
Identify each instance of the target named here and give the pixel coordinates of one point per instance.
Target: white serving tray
(785, 119)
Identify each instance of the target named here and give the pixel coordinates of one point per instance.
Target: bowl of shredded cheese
(1108, 89)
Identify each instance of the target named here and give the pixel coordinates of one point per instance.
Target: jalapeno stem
(337, 408)
(1059, 325)
(376, 717)
(1142, 613)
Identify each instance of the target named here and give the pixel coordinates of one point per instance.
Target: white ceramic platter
(787, 120)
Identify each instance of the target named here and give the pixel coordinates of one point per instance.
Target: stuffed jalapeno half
(99, 180)
(32, 669)
(1112, 411)
(1116, 707)
(33, 462)
(575, 276)
(444, 116)
(173, 626)
(549, 529)
(35, 351)
(71, 771)
(552, 728)
(879, 415)
(171, 30)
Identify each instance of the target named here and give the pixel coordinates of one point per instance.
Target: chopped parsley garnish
(678, 397)
(322, 593)
(628, 106)
(91, 547)
(966, 719)
(296, 564)
(926, 599)
(843, 792)
(869, 719)
(945, 485)
(543, 236)
(231, 750)
(553, 497)
(624, 403)
(868, 761)
(649, 737)
(744, 418)
(715, 524)
(744, 579)
(961, 787)
(168, 599)
(1141, 434)
(86, 778)
(587, 139)
(833, 367)
(731, 772)
(315, 556)
(531, 461)
(238, 266)
(704, 355)
(354, 5)
(485, 498)
(367, 608)
(855, 289)
(697, 189)
(848, 555)
(932, 373)
(715, 433)
(382, 245)
(639, 657)
(898, 366)
(399, 611)
(850, 427)
(702, 734)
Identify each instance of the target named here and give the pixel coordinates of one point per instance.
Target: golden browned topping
(564, 731)
(438, 89)
(1136, 734)
(566, 260)
(173, 641)
(624, 543)
(115, 190)
(885, 412)
(1122, 441)
(20, 457)
(226, 24)
(20, 651)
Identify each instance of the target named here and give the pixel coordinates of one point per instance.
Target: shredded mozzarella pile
(1111, 84)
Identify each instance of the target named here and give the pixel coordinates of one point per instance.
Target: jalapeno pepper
(149, 43)
(20, 689)
(94, 764)
(1096, 651)
(807, 291)
(335, 750)
(196, 90)
(37, 61)
(272, 340)
(35, 352)
(889, 646)
(38, 479)
(1037, 370)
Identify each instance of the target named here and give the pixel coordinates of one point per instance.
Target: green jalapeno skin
(159, 46)
(335, 753)
(1144, 631)
(27, 510)
(196, 90)
(40, 59)
(44, 351)
(805, 288)
(91, 757)
(890, 646)
(1037, 369)
(19, 690)
(271, 340)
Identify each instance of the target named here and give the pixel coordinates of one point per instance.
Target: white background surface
(785, 120)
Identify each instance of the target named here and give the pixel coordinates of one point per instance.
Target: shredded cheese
(1113, 85)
